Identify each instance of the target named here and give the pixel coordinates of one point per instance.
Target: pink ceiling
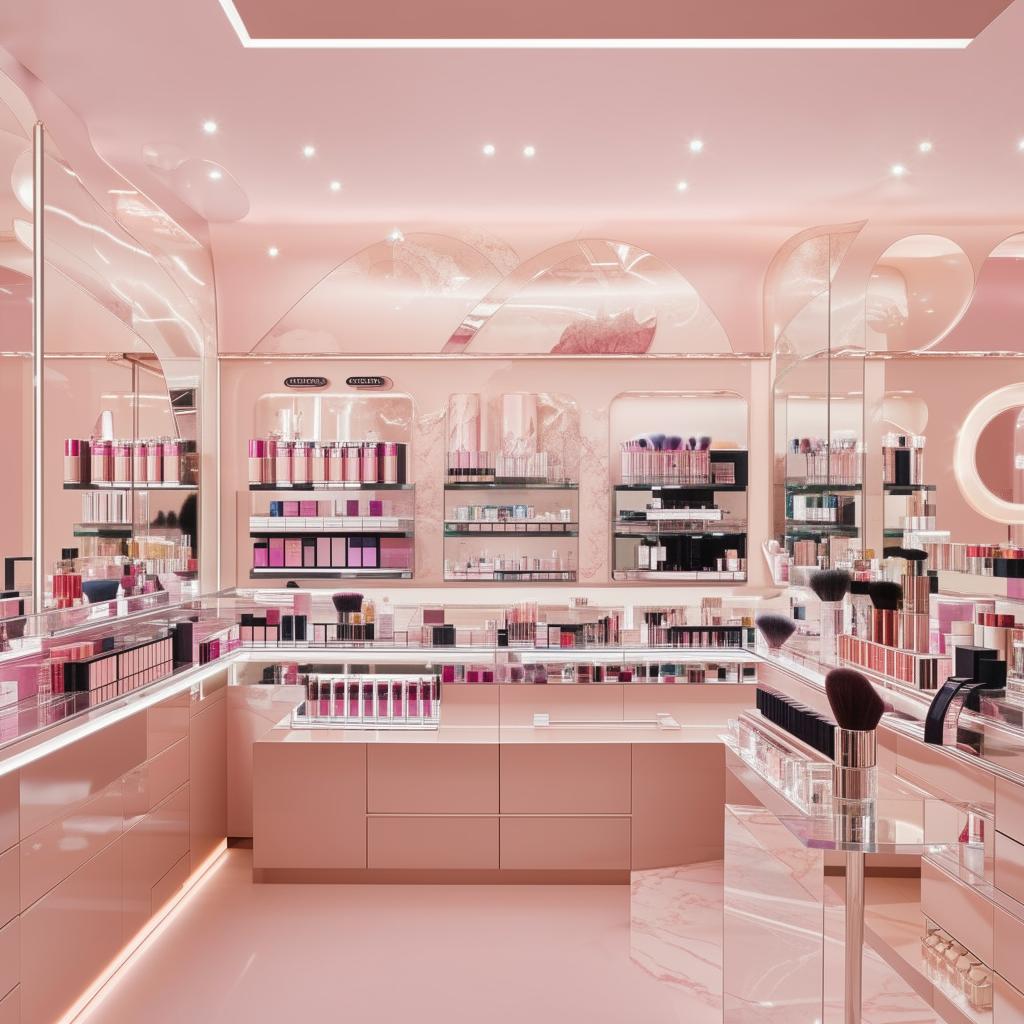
(566, 19)
(791, 137)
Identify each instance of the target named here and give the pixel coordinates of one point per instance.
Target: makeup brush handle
(832, 620)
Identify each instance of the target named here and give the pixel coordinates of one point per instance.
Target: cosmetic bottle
(67, 581)
(172, 461)
(335, 462)
(101, 457)
(257, 452)
(302, 455)
(283, 463)
(318, 464)
(368, 463)
(73, 461)
(390, 463)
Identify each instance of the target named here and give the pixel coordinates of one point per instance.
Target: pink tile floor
(234, 952)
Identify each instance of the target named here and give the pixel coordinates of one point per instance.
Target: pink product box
(323, 552)
(376, 507)
(338, 559)
(260, 556)
(308, 554)
(396, 552)
(291, 508)
(276, 556)
(325, 508)
(293, 552)
(307, 509)
(351, 506)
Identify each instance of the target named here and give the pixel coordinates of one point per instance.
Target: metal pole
(854, 951)
(38, 575)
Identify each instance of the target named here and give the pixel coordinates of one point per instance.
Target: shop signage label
(370, 381)
(306, 382)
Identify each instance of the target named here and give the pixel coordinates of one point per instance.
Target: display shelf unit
(797, 486)
(823, 535)
(331, 544)
(655, 549)
(900, 501)
(114, 531)
(130, 486)
(538, 520)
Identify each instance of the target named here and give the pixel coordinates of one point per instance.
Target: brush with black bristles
(857, 709)
(347, 604)
(887, 597)
(776, 629)
(831, 587)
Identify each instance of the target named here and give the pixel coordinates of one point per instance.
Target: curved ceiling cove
(918, 291)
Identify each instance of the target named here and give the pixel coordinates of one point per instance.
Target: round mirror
(918, 290)
(986, 456)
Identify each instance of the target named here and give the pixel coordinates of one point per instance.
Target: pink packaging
(273, 616)
(293, 552)
(352, 506)
(291, 508)
(448, 674)
(325, 508)
(308, 554)
(260, 556)
(277, 552)
(307, 508)
(395, 552)
(302, 604)
(370, 552)
(376, 507)
(355, 552)
(338, 560)
(323, 554)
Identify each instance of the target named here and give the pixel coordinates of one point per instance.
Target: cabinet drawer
(10, 957)
(565, 778)
(432, 842)
(406, 778)
(1007, 1003)
(1009, 867)
(958, 909)
(568, 844)
(1008, 939)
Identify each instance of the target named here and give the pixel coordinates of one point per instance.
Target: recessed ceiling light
(898, 170)
(696, 145)
(396, 236)
(1020, 145)
(335, 186)
(682, 186)
(489, 149)
(308, 151)
(216, 175)
(529, 151)
(925, 146)
(273, 251)
(210, 127)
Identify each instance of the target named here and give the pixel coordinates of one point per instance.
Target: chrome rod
(38, 575)
(854, 937)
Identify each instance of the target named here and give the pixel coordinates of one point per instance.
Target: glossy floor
(234, 951)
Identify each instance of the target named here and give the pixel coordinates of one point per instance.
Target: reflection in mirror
(918, 290)
(999, 455)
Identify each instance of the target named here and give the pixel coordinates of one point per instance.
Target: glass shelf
(328, 487)
(801, 487)
(111, 530)
(330, 574)
(128, 486)
(794, 528)
(680, 487)
(908, 488)
(669, 528)
(512, 485)
(520, 534)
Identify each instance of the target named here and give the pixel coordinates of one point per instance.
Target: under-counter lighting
(925, 146)
(335, 186)
(216, 175)
(898, 170)
(489, 149)
(210, 127)
(696, 145)
(308, 151)
(273, 251)
(529, 151)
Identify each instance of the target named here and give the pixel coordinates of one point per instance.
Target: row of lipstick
(999, 560)
(274, 462)
(317, 552)
(103, 671)
(97, 461)
(922, 671)
(361, 702)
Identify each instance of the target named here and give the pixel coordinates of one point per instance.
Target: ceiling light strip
(247, 41)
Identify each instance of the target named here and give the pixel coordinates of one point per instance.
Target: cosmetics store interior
(512, 518)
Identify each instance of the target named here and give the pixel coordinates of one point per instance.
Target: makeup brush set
(666, 459)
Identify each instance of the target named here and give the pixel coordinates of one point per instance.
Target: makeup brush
(658, 440)
(857, 709)
(347, 604)
(831, 587)
(885, 595)
(691, 443)
(705, 443)
(673, 442)
(776, 629)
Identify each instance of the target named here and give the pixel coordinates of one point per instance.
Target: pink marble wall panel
(469, 705)
(167, 887)
(965, 914)
(207, 772)
(309, 805)
(150, 850)
(434, 842)
(450, 778)
(166, 723)
(10, 799)
(52, 853)
(555, 778)
(252, 712)
(678, 800)
(1008, 939)
(10, 1008)
(1009, 867)
(69, 936)
(10, 884)
(1010, 809)
(54, 785)
(588, 703)
(10, 956)
(569, 843)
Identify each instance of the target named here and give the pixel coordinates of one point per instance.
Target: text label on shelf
(306, 382)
